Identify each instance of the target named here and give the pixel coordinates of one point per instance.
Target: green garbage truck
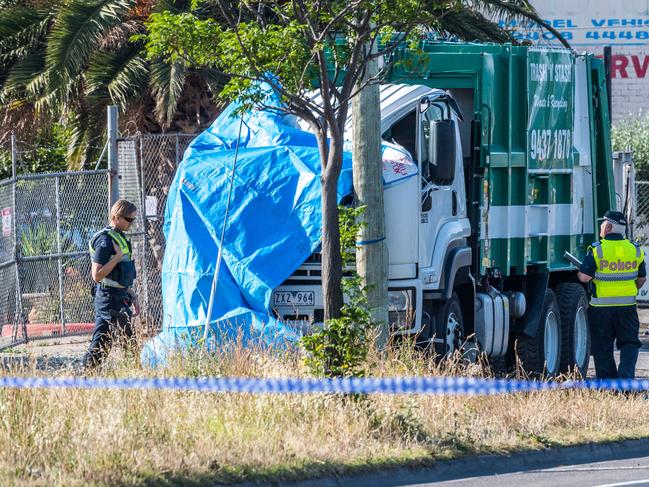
(515, 168)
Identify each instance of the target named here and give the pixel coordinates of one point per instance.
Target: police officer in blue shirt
(113, 270)
(616, 268)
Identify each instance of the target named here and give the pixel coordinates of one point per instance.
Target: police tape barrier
(382, 385)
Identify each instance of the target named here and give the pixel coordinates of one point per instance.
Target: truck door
(442, 185)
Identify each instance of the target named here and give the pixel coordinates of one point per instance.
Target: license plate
(294, 298)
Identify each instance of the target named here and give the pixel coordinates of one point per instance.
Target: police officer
(113, 270)
(616, 267)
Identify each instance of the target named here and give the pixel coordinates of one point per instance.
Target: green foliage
(633, 133)
(45, 152)
(249, 50)
(5, 164)
(341, 346)
(76, 34)
(292, 39)
(38, 240)
(69, 59)
(72, 58)
(348, 221)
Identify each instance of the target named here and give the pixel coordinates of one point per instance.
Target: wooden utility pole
(371, 249)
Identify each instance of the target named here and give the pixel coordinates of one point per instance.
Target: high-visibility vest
(618, 263)
(123, 274)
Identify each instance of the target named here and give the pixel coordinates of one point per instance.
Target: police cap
(615, 217)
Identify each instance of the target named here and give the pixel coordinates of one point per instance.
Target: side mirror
(442, 145)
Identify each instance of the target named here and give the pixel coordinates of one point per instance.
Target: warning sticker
(6, 222)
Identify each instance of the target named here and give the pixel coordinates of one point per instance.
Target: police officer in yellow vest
(616, 267)
(113, 270)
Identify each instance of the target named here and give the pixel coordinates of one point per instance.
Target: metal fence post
(144, 303)
(14, 155)
(113, 162)
(57, 190)
(20, 319)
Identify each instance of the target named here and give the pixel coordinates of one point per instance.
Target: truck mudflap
(535, 295)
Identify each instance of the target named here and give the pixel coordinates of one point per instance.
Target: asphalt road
(633, 471)
(596, 465)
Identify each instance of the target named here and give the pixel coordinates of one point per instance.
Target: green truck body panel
(510, 187)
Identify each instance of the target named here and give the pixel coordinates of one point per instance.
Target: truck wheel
(542, 354)
(575, 336)
(450, 330)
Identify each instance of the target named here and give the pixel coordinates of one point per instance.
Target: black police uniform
(112, 304)
(612, 324)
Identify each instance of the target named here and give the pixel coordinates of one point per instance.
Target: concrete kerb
(480, 465)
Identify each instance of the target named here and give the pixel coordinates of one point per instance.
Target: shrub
(633, 133)
(340, 347)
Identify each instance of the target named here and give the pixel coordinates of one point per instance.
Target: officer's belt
(110, 284)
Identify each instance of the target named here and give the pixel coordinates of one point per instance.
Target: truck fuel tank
(492, 323)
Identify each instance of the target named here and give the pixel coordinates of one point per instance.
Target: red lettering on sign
(619, 63)
(399, 168)
(640, 71)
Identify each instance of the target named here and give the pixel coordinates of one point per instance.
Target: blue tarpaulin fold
(273, 226)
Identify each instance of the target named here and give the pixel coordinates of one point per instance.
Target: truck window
(404, 133)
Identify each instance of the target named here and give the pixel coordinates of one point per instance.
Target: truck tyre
(575, 335)
(451, 333)
(541, 355)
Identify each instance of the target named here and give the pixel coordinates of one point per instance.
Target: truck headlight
(399, 300)
(401, 308)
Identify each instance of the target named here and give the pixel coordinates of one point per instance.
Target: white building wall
(629, 81)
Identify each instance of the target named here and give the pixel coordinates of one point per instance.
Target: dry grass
(72, 437)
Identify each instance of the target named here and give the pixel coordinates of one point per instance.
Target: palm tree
(70, 59)
(478, 20)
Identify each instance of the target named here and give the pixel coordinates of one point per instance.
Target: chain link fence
(45, 283)
(12, 324)
(641, 229)
(47, 222)
(147, 166)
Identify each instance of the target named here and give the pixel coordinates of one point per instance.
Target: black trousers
(619, 325)
(112, 320)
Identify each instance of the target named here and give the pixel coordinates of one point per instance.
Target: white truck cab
(426, 220)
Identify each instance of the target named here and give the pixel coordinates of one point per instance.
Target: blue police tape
(382, 385)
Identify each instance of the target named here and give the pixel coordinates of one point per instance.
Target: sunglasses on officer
(128, 219)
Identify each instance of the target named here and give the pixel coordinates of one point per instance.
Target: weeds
(340, 347)
(108, 437)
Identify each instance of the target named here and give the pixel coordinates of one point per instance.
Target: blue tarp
(274, 225)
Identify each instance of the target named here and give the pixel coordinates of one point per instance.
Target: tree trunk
(372, 251)
(331, 256)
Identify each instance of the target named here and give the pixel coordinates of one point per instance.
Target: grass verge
(73, 437)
